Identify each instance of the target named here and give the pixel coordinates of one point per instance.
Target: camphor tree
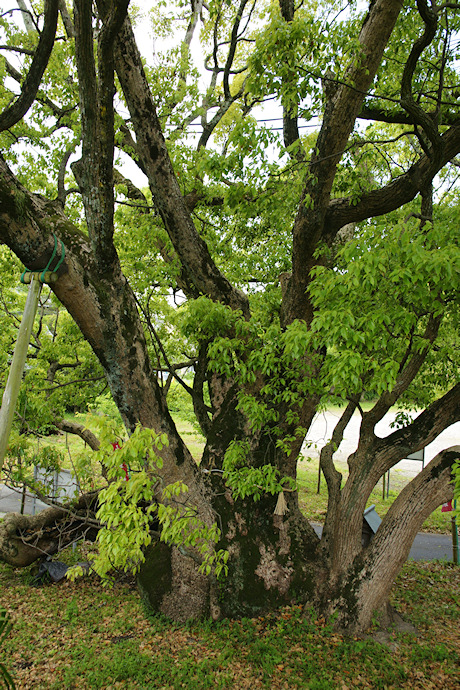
(309, 269)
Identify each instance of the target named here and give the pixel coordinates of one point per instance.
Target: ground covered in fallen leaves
(82, 635)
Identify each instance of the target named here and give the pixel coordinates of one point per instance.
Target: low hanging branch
(25, 538)
(85, 434)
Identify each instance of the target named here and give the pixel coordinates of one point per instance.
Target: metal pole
(386, 485)
(454, 536)
(13, 384)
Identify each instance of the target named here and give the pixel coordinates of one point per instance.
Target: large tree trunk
(274, 561)
(360, 577)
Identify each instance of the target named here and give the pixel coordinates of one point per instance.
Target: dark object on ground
(53, 571)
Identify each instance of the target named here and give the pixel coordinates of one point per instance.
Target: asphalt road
(426, 547)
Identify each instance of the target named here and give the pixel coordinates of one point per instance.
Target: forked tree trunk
(359, 585)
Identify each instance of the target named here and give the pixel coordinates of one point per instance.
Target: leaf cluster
(372, 311)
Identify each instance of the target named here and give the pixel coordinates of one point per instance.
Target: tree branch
(398, 192)
(430, 20)
(290, 121)
(27, 16)
(425, 428)
(85, 434)
(18, 109)
(428, 490)
(66, 19)
(94, 171)
(190, 247)
(341, 113)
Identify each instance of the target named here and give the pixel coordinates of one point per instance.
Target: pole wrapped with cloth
(13, 384)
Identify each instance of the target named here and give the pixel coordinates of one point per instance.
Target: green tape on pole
(11, 392)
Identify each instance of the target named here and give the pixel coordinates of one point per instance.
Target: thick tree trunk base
(274, 561)
(169, 583)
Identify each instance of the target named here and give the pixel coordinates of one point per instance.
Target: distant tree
(309, 268)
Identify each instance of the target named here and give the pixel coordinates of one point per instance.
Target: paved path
(430, 547)
(426, 547)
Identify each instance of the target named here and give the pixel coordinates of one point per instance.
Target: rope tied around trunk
(48, 275)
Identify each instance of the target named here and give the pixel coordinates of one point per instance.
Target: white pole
(13, 384)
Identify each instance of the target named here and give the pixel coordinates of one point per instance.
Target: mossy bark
(26, 538)
(274, 560)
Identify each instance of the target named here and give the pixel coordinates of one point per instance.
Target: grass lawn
(81, 635)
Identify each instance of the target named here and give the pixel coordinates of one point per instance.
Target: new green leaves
(373, 310)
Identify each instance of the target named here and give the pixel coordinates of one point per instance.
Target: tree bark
(274, 561)
(29, 89)
(27, 538)
(356, 592)
(341, 112)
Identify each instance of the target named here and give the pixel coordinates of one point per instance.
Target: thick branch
(429, 489)
(341, 113)
(232, 48)
(167, 254)
(18, 109)
(209, 127)
(390, 546)
(191, 249)
(94, 172)
(378, 455)
(401, 117)
(332, 475)
(66, 19)
(441, 414)
(398, 192)
(104, 309)
(430, 20)
(290, 121)
(62, 192)
(26, 16)
(85, 434)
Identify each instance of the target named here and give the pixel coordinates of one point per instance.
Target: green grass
(81, 635)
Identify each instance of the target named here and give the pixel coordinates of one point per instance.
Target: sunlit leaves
(126, 525)
(244, 480)
(373, 310)
(182, 527)
(132, 508)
